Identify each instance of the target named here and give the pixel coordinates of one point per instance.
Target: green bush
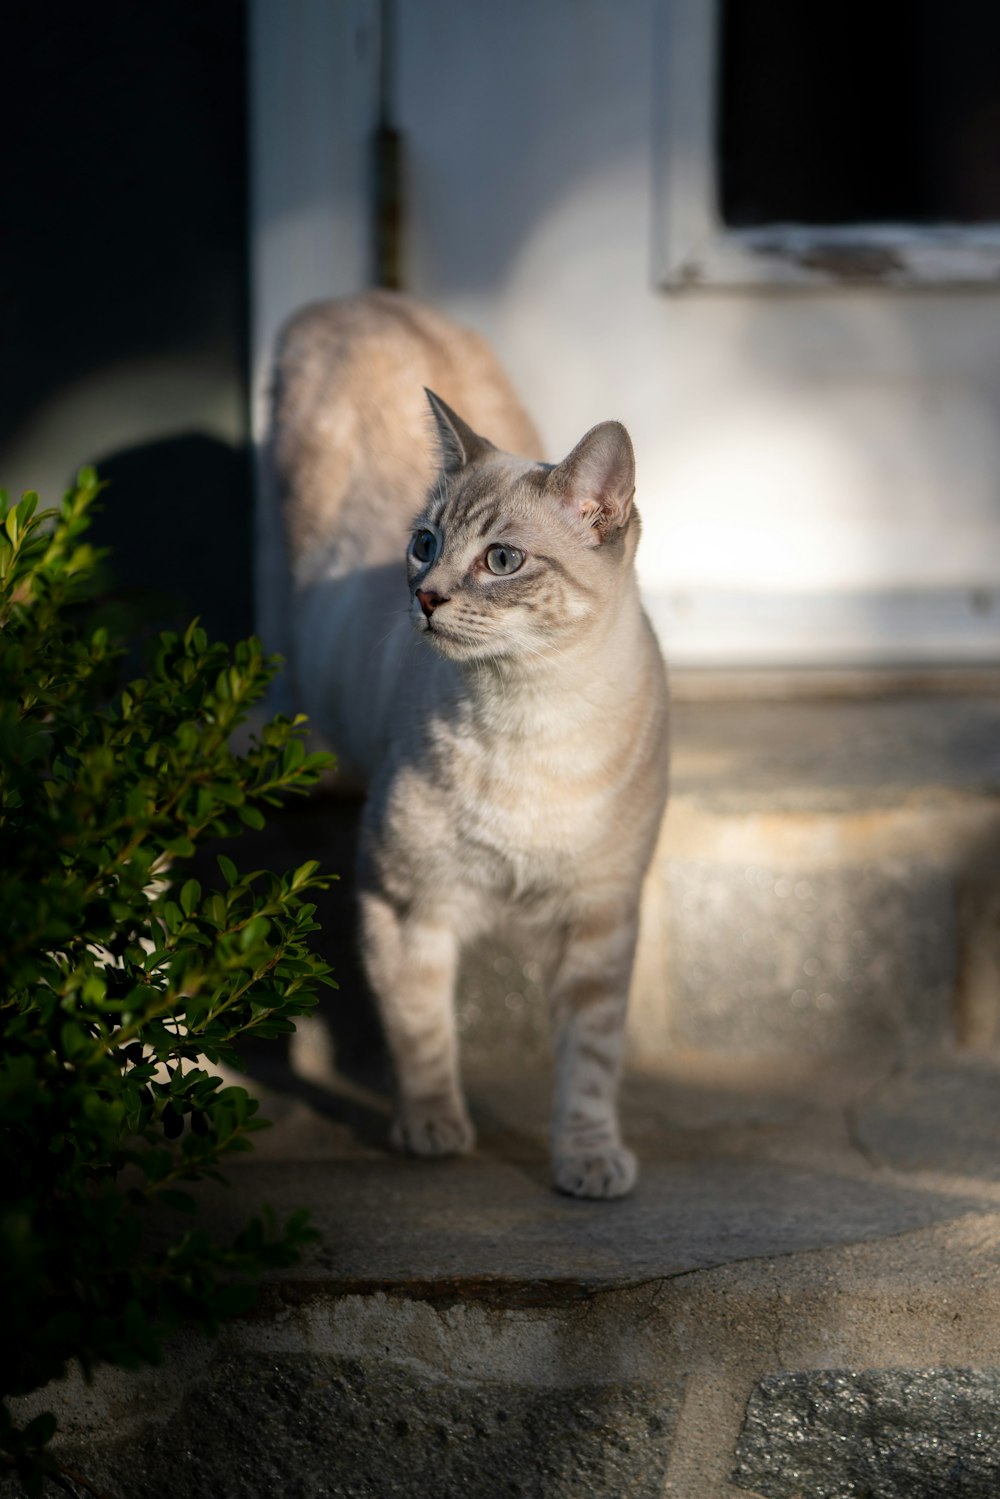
(120, 974)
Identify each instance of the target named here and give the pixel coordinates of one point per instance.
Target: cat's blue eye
(423, 547)
(501, 559)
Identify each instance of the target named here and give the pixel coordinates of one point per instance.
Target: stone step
(827, 884)
(828, 880)
(799, 1299)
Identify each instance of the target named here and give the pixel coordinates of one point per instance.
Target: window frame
(692, 245)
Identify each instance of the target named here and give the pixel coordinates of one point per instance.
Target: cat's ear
(597, 481)
(458, 443)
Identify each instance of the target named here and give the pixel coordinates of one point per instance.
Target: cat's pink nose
(429, 600)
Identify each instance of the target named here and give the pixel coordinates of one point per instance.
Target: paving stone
(309, 1427)
(490, 1223)
(873, 1434)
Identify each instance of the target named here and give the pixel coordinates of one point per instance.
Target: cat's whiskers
(498, 675)
(402, 617)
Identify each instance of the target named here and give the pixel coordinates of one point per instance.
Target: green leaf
(181, 847)
(27, 506)
(172, 915)
(222, 791)
(74, 1040)
(216, 910)
(187, 737)
(255, 931)
(190, 896)
(295, 753)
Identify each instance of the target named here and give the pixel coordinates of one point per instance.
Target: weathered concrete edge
(941, 826)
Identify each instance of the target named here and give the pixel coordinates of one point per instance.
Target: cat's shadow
(336, 1062)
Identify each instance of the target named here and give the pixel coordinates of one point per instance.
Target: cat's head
(509, 559)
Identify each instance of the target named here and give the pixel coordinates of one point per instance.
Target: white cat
(515, 753)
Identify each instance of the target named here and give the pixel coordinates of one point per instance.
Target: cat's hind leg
(589, 997)
(412, 964)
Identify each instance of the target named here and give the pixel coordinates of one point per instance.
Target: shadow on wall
(177, 521)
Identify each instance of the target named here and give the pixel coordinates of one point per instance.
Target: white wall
(312, 69)
(811, 464)
(312, 96)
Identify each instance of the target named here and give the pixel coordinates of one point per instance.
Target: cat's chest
(526, 812)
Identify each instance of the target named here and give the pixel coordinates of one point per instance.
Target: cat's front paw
(604, 1172)
(433, 1129)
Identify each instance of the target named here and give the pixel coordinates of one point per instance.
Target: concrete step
(826, 887)
(827, 884)
(800, 1299)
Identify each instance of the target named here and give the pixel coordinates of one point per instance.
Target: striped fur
(511, 729)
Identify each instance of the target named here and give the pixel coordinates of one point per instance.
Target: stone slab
(872, 1434)
(736, 1164)
(309, 1426)
(501, 1229)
